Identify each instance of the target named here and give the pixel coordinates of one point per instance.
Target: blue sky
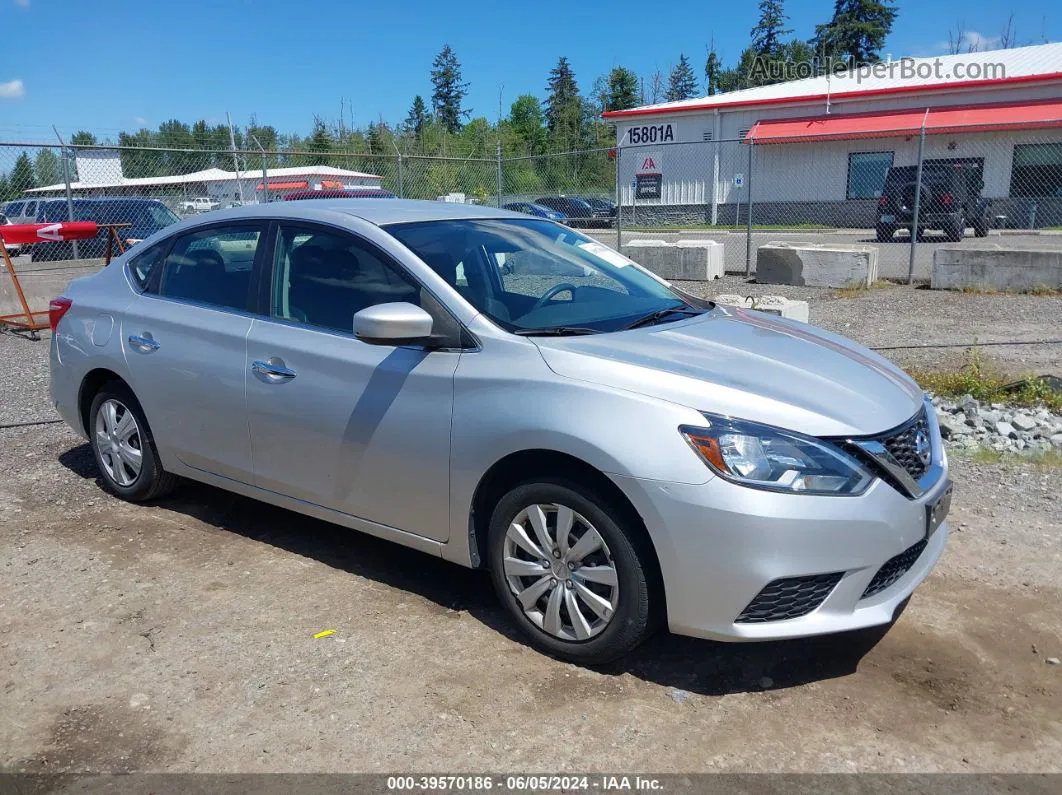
(111, 65)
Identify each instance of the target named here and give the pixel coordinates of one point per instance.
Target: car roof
(381, 213)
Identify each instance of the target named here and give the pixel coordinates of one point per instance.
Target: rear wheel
(955, 229)
(981, 228)
(123, 446)
(569, 571)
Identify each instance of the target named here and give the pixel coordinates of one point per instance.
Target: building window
(866, 174)
(1037, 170)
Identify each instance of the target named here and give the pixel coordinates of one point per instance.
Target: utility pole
(235, 158)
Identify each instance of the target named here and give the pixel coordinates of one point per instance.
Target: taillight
(945, 199)
(884, 200)
(58, 307)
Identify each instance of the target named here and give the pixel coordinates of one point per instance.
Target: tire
(981, 229)
(605, 638)
(885, 233)
(119, 477)
(956, 230)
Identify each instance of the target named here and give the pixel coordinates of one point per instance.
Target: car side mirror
(399, 323)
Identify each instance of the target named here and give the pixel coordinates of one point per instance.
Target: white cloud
(969, 41)
(23, 3)
(12, 90)
(140, 120)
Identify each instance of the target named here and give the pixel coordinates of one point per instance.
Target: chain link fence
(966, 186)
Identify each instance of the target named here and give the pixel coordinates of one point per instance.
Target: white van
(21, 211)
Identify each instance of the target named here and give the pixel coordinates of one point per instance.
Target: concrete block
(690, 260)
(771, 304)
(696, 255)
(816, 265)
(40, 281)
(997, 268)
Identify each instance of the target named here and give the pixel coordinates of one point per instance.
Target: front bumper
(720, 544)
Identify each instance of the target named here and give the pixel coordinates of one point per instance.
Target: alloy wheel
(561, 572)
(118, 442)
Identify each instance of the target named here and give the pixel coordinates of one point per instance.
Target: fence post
(498, 153)
(398, 155)
(65, 155)
(748, 221)
(917, 201)
(619, 201)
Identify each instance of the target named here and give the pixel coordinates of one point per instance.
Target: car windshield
(534, 276)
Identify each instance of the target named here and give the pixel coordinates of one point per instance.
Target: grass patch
(1045, 459)
(985, 289)
(857, 289)
(978, 379)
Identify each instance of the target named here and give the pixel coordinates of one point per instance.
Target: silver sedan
(508, 394)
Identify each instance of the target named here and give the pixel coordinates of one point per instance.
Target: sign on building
(649, 177)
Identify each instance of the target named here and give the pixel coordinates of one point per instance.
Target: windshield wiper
(660, 314)
(556, 331)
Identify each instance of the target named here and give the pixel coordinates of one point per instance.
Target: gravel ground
(179, 636)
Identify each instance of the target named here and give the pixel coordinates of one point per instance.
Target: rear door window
(212, 266)
(14, 209)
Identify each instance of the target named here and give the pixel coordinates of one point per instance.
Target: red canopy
(938, 121)
(284, 185)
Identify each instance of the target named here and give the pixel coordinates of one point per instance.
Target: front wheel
(123, 446)
(570, 571)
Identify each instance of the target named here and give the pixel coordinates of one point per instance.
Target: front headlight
(776, 460)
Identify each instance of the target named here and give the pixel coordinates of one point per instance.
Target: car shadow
(686, 665)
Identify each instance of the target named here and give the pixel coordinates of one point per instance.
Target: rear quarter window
(144, 264)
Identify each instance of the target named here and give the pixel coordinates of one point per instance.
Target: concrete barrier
(772, 304)
(688, 260)
(40, 281)
(816, 265)
(997, 268)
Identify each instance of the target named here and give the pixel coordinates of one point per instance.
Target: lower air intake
(791, 597)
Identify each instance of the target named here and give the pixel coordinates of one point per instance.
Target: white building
(822, 145)
(101, 175)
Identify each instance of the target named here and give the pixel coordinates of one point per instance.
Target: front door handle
(144, 344)
(272, 371)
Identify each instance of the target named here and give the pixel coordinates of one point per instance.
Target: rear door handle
(274, 372)
(145, 344)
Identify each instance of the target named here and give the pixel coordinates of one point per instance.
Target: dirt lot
(179, 636)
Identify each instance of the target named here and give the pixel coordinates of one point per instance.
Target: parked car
(950, 200)
(21, 211)
(614, 452)
(537, 210)
(602, 208)
(12, 248)
(350, 193)
(577, 212)
(200, 204)
(147, 216)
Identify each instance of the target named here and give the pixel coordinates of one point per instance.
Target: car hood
(749, 365)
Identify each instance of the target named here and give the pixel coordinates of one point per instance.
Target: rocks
(1052, 661)
(966, 423)
(772, 304)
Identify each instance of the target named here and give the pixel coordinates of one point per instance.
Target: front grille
(791, 597)
(893, 569)
(902, 446)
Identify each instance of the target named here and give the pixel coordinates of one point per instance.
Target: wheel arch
(524, 466)
(90, 385)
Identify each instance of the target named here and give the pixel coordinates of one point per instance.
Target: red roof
(938, 121)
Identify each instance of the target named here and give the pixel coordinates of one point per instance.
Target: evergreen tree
(713, 72)
(319, 143)
(564, 107)
(21, 177)
(47, 168)
(448, 92)
(418, 116)
(768, 33)
(682, 84)
(857, 31)
(82, 138)
(622, 89)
